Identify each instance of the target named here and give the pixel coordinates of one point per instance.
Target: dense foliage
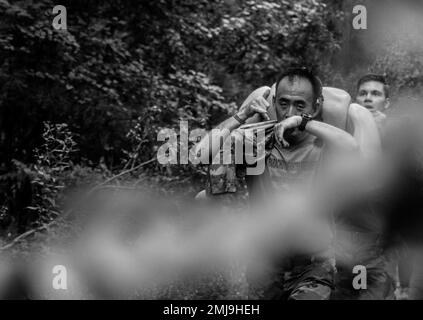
(151, 62)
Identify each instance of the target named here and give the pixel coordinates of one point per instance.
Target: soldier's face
(371, 95)
(294, 96)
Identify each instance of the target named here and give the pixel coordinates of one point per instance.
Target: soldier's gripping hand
(286, 124)
(257, 105)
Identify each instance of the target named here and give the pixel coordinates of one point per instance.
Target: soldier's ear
(387, 103)
(318, 106)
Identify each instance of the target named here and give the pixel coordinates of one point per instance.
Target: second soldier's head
(373, 92)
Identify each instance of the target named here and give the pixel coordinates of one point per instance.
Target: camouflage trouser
(380, 284)
(363, 249)
(306, 280)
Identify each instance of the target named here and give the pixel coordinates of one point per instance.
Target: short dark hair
(303, 72)
(375, 77)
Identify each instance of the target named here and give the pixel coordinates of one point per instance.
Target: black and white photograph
(227, 151)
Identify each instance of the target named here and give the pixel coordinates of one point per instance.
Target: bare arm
(353, 118)
(334, 138)
(364, 130)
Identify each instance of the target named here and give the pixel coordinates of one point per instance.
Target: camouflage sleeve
(221, 175)
(223, 178)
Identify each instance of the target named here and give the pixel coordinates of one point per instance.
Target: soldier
(301, 139)
(361, 236)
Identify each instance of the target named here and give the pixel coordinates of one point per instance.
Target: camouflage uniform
(365, 249)
(222, 179)
(297, 278)
(225, 185)
(361, 240)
